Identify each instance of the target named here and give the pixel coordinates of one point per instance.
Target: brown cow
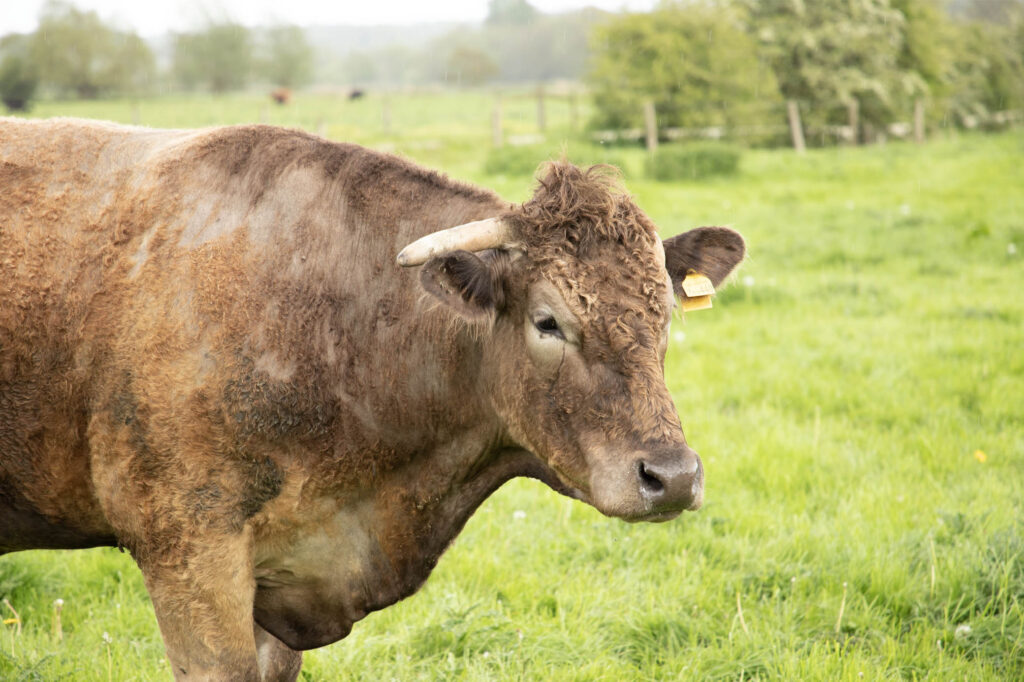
(209, 356)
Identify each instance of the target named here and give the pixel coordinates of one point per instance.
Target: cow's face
(575, 358)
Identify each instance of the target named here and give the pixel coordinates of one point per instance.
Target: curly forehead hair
(583, 229)
(574, 209)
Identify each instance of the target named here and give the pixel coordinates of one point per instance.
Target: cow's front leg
(278, 662)
(202, 593)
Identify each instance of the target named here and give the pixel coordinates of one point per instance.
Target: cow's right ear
(462, 281)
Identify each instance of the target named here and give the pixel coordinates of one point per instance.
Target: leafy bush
(18, 82)
(693, 161)
(77, 54)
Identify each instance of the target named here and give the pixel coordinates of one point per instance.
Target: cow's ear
(712, 251)
(462, 281)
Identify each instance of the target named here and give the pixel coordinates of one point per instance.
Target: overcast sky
(154, 17)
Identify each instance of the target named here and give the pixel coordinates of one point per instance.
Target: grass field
(857, 395)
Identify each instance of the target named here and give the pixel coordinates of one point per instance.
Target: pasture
(856, 393)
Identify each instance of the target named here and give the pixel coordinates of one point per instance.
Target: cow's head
(576, 289)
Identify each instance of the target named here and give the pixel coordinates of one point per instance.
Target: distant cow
(281, 95)
(355, 94)
(209, 356)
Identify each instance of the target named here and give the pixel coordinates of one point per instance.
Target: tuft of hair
(574, 207)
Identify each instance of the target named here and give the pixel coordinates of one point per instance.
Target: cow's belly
(23, 527)
(46, 498)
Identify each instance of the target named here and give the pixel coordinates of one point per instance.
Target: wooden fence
(793, 128)
(542, 95)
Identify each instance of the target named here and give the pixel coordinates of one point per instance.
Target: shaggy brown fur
(209, 356)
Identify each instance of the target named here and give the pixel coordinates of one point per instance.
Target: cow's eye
(548, 325)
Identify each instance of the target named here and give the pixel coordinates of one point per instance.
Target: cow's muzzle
(671, 480)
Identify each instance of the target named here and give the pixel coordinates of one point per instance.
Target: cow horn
(475, 236)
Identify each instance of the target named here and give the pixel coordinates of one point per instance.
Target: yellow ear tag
(698, 290)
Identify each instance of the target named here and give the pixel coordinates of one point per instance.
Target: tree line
(701, 63)
(733, 63)
(73, 53)
(516, 44)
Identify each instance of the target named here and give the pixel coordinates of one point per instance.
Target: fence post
(853, 114)
(795, 129)
(919, 121)
(541, 119)
(651, 126)
(385, 113)
(496, 122)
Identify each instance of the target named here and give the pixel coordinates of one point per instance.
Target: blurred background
(771, 73)
(856, 393)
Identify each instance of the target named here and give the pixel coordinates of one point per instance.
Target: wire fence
(790, 123)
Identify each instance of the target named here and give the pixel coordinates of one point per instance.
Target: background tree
(926, 47)
(988, 74)
(287, 58)
(829, 54)
(470, 66)
(547, 47)
(219, 57)
(694, 61)
(515, 12)
(18, 76)
(993, 11)
(76, 53)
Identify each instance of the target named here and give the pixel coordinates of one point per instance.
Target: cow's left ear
(712, 251)
(463, 281)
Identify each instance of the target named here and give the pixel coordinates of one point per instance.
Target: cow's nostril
(649, 481)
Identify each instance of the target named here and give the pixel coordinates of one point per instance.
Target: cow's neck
(368, 550)
(417, 519)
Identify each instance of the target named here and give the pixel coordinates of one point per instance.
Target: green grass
(838, 392)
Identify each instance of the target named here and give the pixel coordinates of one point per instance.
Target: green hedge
(693, 161)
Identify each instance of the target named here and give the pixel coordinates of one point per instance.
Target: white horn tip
(402, 259)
